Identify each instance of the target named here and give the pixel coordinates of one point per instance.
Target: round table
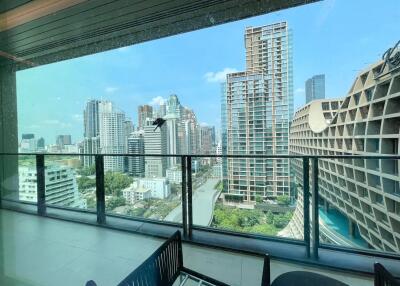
(305, 278)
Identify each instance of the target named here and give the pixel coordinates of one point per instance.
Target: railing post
(41, 185)
(189, 195)
(100, 194)
(315, 211)
(184, 197)
(306, 203)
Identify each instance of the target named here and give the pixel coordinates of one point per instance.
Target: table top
(306, 278)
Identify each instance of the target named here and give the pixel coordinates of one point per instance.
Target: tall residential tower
(112, 135)
(258, 108)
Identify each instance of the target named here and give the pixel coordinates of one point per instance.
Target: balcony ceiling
(44, 31)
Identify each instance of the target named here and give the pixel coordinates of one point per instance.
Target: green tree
(114, 183)
(85, 183)
(283, 200)
(115, 202)
(91, 203)
(281, 220)
(87, 171)
(270, 217)
(259, 199)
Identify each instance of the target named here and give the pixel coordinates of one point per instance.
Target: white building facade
(60, 186)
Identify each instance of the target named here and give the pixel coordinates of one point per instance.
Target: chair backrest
(383, 277)
(162, 268)
(266, 276)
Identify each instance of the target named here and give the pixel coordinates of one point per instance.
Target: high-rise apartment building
(112, 135)
(128, 129)
(144, 112)
(173, 147)
(206, 140)
(315, 88)
(190, 127)
(62, 140)
(258, 107)
(40, 144)
(28, 143)
(91, 119)
(136, 165)
(91, 141)
(155, 142)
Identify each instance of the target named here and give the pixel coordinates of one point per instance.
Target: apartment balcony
(44, 251)
(43, 243)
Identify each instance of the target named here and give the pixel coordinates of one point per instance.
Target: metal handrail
(261, 156)
(311, 238)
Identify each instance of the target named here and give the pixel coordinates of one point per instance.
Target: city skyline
(136, 75)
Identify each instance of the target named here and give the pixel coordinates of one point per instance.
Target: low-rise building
(60, 186)
(135, 193)
(174, 175)
(160, 187)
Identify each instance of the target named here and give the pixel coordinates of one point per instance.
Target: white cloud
(157, 100)
(77, 117)
(299, 90)
(33, 126)
(56, 122)
(326, 10)
(219, 76)
(111, 89)
(204, 124)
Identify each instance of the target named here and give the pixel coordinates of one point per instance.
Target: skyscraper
(205, 139)
(315, 88)
(136, 166)
(173, 106)
(175, 135)
(91, 119)
(128, 129)
(112, 135)
(259, 106)
(190, 127)
(144, 112)
(62, 140)
(172, 124)
(91, 141)
(40, 144)
(155, 142)
(28, 143)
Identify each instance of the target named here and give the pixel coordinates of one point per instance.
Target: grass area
(30, 160)
(249, 221)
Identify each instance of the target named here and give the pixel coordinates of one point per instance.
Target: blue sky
(338, 38)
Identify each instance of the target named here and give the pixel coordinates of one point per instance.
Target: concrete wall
(8, 133)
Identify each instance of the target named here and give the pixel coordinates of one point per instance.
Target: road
(203, 205)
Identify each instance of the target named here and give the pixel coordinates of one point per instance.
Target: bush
(114, 183)
(283, 200)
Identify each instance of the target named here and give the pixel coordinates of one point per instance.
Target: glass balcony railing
(334, 202)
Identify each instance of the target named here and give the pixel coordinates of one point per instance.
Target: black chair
(296, 278)
(382, 277)
(164, 267)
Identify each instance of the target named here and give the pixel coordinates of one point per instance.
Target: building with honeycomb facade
(365, 122)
